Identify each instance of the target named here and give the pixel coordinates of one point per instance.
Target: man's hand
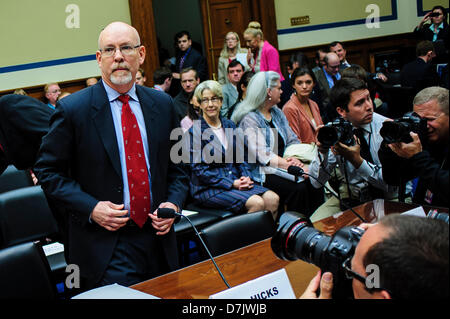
(110, 216)
(350, 153)
(162, 225)
(325, 283)
(407, 150)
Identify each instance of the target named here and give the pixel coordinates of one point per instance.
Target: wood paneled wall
(361, 52)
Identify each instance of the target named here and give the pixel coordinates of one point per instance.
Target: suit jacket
(23, 122)
(209, 179)
(193, 59)
(79, 165)
(299, 120)
(418, 74)
(230, 96)
(328, 112)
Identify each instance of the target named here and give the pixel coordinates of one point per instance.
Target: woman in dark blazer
(219, 180)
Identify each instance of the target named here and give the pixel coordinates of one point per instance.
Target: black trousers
(299, 197)
(137, 257)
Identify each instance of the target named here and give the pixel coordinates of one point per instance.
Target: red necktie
(138, 183)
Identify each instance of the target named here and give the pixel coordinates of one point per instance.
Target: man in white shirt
(359, 163)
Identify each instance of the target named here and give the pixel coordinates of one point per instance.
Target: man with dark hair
(189, 81)
(235, 71)
(358, 163)
(187, 56)
(420, 73)
(162, 78)
(411, 255)
(427, 159)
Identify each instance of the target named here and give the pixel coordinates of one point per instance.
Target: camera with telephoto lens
(398, 130)
(340, 130)
(296, 238)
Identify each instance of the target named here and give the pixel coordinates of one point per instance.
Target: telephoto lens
(296, 238)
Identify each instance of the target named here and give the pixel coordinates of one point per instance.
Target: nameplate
(416, 212)
(275, 285)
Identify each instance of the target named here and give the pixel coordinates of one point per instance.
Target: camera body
(340, 130)
(296, 238)
(398, 130)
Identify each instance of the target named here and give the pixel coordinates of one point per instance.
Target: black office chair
(25, 273)
(25, 216)
(12, 178)
(238, 231)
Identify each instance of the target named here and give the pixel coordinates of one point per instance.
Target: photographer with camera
(359, 170)
(401, 257)
(422, 151)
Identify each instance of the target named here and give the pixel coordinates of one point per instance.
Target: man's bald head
(332, 63)
(114, 27)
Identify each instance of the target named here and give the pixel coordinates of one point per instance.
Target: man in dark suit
(326, 77)
(105, 163)
(186, 57)
(23, 122)
(420, 73)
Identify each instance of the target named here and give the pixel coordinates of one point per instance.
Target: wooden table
(201, 280)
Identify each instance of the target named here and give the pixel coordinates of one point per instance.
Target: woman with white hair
(268, 134)
(218, 180)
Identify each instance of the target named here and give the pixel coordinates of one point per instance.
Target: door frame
(142, 18)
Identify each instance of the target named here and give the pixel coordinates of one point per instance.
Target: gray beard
(121, 80)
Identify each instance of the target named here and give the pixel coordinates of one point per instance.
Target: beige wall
(40, 31)
(331, 11)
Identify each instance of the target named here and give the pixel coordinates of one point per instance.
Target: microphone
(298, 171)
(171, 213)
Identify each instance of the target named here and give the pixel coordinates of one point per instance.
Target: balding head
(120, 55)
(115, 27)
(332, 63)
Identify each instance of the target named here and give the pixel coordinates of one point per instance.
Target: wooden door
(222, 16)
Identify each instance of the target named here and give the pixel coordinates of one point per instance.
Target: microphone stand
(203, 243)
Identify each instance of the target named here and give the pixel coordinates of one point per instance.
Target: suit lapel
(104, 123)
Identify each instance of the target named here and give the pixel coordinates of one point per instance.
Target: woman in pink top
(302, 113)
(262, 56)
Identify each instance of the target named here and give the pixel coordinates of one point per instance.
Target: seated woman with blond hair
(218, 181)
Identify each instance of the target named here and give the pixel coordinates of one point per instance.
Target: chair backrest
(25, 216)
(12, 178)
(238, 231)
(25, 273)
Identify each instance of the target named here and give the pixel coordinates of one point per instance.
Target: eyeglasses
(214, 100)
(350, 274)
(54, 91)
(124, 49)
